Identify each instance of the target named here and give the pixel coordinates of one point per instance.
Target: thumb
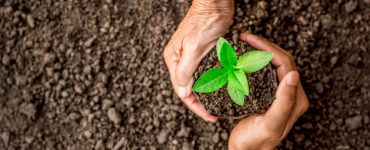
(188, 63)
(282, 107)
(184, 74)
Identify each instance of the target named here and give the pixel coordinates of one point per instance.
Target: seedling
(233, 72)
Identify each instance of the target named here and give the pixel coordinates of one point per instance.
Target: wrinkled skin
(205, 22)
(267, 130)
(196, 35)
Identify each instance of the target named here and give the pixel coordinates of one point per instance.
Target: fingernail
(211, 120)
(292, 79)
(181, 91)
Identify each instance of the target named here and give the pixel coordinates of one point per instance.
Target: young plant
(233, 72)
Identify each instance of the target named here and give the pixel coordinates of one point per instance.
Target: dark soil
(90, 74)
(262, 88)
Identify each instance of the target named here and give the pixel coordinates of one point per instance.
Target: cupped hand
(205, 21)
(267, 130)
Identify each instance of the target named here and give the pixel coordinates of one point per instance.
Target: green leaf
(219, 44)
(235, 83)
(235, 95)
(227, 56)
(253, 61)
(242, 78)
(211, 80)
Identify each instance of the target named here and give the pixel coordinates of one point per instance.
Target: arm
(194, 38)
(266, 131)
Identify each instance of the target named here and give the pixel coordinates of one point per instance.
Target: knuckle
(189, 101)
(272, 133)
(305, 105)
(276, 136)
(288, 60)
(166, 52)
(289, 57)
(180, 73)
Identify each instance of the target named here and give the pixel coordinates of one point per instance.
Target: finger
(282, 59)
(191, 56)
(282, 108)
(302, 103)
(196, 107)
(300, 107)
(171, 59)
(171, 56)
(190, 59)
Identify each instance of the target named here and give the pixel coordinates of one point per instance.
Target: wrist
(233, 145)
(225, 7)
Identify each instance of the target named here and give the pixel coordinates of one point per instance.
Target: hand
(267, 130)
(196, 35)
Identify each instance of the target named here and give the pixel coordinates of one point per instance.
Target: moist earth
(84, 74)
(262, 88)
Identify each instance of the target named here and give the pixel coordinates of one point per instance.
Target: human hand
(267, 130)
(196, 35)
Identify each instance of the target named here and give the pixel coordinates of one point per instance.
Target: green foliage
(242, 78)
(253, 61)
(235, 83)
(227, 56)
(235, 95)
(219, 45)
(211, 80)
(233, 71)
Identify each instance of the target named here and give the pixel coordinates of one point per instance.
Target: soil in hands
(262, 86)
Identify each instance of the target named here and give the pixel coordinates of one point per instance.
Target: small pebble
(48, 57)
(65, 94)
(107, 104)
(87, 69)
(5, 136)
(354, 122)
(78, 88)
(114, 116)
(216, 137)
(30, 21)
(6, 60)
(120, 143)
(350, 6)
(184, 132)
(224, 135)
(333, 60)
(87, 134)
(28, 109)
(89, 42)
(99, 145)
(162, 136)
(261, 14)
(186, 146)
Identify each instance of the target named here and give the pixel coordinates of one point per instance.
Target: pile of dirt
(262, 88)
(90, 74)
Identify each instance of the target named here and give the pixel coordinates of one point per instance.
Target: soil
(262, 88)
(90, 74)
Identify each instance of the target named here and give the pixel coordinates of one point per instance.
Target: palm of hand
(194, 38)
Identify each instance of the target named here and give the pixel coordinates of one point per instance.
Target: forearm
(252, 143)
(248, 147)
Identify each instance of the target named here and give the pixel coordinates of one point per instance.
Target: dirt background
(89, 74)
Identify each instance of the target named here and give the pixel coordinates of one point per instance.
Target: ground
(262, 87)
(90, 74)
